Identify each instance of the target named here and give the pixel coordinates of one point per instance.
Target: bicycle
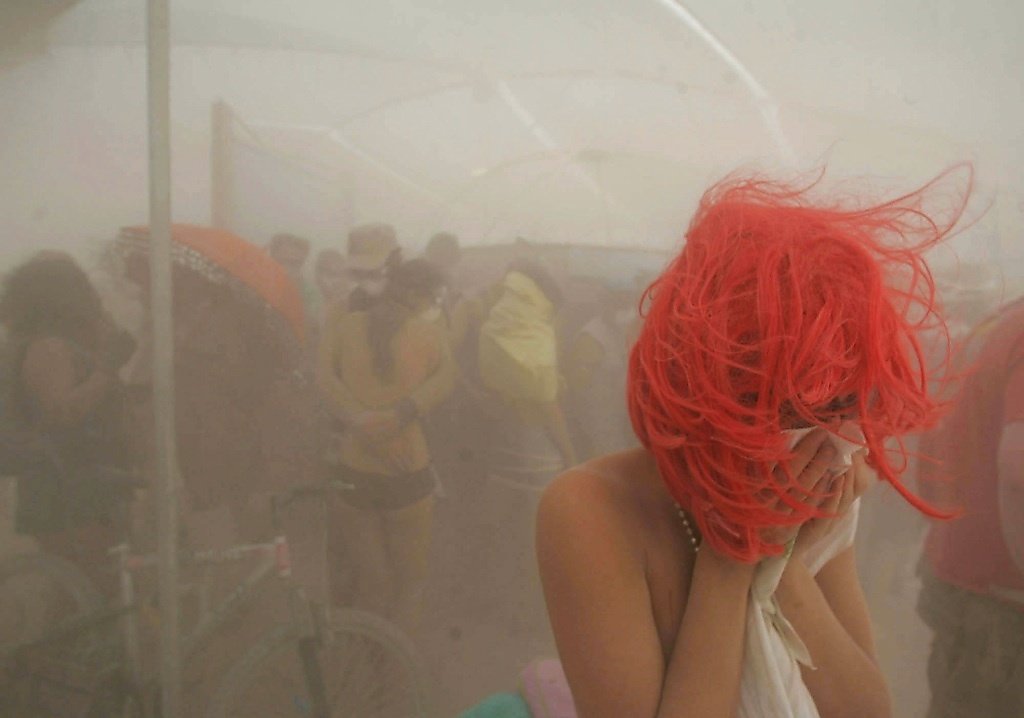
(341, 662)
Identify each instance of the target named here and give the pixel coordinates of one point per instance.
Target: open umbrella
(225, 258)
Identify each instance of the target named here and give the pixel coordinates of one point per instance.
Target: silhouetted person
(372, 250)
(65, 356)
(973, 567)
(382, 369)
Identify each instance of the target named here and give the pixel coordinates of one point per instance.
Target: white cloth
(847, 441)
(770, 683)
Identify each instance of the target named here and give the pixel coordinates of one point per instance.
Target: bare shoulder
(613, 491)
(594, 536)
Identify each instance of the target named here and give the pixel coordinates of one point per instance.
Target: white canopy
(582, 122)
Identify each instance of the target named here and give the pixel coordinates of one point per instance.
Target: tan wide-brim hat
(370, 246)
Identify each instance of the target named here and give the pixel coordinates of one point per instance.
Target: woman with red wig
(711, 572)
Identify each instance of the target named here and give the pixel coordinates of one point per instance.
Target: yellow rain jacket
(518, 351)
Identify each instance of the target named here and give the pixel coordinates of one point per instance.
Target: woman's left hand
(846, 488)
(375, 425)
(398, 455)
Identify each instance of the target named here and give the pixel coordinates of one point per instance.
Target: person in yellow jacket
(527, 444)
(382, 368)
(518, 353)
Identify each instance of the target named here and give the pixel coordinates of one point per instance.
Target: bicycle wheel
(39, 592)
(369, 668)
(39, 596)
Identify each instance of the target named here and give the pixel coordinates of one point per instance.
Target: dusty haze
(586, 128)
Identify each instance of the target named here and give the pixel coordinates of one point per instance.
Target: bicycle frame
(276, 561)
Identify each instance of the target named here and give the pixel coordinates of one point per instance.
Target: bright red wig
(780, 310)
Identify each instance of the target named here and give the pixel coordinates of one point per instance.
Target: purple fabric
(546, 690)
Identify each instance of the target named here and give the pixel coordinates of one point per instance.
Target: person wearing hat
(372, 250)
(382, 370)
(373, 257)
(371, 253)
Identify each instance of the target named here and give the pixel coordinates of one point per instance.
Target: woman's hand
(843, 489)
(810, 467)
(395, 453)
(375, 425)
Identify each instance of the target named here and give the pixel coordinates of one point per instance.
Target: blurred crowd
(437, 402)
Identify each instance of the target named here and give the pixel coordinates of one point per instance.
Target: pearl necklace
(689, 529)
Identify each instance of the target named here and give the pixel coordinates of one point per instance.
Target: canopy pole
(221, 121)
(159, 90)
(766, 104)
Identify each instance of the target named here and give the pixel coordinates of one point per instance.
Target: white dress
(771, 685)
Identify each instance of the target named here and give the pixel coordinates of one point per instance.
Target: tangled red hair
(779, 308)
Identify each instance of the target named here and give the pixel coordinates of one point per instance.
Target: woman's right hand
(843, 490)
(375, 425)
(813, 456)
(395, 453)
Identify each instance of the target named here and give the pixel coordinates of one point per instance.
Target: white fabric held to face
(848, 441)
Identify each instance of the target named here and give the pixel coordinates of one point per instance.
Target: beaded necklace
(689, 529)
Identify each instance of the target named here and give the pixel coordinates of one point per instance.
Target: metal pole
(766, 104)
(159, 66)
(220, 165)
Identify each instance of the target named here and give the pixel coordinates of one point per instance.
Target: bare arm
(48, 372)
(600, 609)
(831, 616)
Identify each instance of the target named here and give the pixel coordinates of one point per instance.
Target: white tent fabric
(586, 123)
